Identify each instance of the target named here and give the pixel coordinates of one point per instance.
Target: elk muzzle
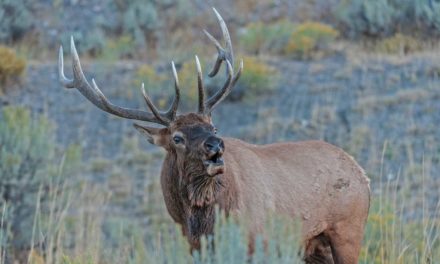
(214, 148)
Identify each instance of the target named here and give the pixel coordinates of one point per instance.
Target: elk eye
(178, 140)
(215, 130)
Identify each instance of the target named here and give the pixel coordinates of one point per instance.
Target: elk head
(190, 139)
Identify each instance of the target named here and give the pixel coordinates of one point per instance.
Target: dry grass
(399, 44)
(389, 238)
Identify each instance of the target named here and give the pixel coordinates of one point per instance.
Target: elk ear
(154, 135)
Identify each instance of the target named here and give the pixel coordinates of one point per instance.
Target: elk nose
(214, 145)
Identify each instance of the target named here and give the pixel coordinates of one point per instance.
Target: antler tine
(230, 54)
(126, 112)
(153, 108)
(64, 81)
(95, 95)
(200, 86)
(223, 53)
(218, 97)
(80, 82)
(172, 111)
(227, 87)
(238, 74)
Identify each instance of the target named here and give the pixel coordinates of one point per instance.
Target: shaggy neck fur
(191, 196)
(198, 193)
(200, 188)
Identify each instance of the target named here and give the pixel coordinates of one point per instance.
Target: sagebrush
(16, 19)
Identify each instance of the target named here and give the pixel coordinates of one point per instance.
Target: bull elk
(311, 180)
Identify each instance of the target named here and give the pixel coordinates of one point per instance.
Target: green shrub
(231, 245)
(371, 18)
(118, 48)
(15, 19)
(398, 44)
(231, 241)
(138, 19)
(26, 148)
(29, 177)
(382, 18)
(256, 79)
(309, 37)
(260, 37)
(90, 41)
(427, 13)
(11, 66)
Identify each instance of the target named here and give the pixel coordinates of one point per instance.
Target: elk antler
(224, 54)
(95, 95)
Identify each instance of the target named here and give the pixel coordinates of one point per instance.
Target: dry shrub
(249, 6)
(308, 38)
(257, 78)
(11, 66)
(399, 44)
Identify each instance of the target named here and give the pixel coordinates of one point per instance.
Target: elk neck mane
(194, 195)
(194, 185)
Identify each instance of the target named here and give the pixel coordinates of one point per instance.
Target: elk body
(311, 180)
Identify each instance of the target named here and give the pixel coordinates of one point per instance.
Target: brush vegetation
(50, 215)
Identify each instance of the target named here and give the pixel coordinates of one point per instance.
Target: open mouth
(214, 164)
(215, 159)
